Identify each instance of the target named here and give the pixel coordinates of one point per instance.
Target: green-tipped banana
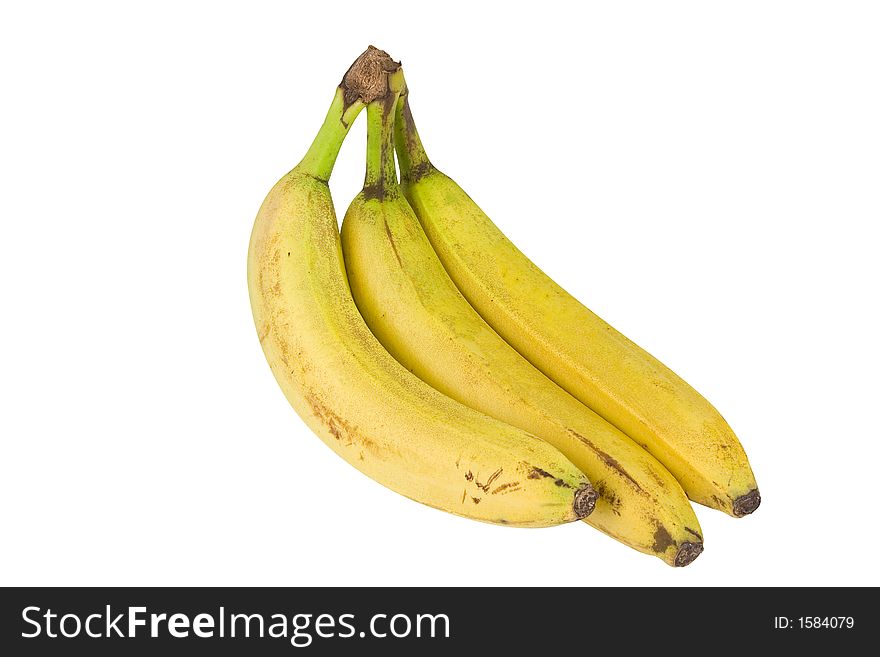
(412, 306)
(347, 388)
(571, 345)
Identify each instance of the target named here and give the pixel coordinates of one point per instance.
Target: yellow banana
(571, 345)
(367, 407)
(414, 308)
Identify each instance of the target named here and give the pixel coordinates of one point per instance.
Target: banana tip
(585, 501)
(746, 504)
(687, 552)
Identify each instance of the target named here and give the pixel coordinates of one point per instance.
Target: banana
(368, 408)
(571, 345)
(413, 307)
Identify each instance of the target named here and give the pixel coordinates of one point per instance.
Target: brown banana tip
(367, 78)
(687, 553)
(746, 504)
(585, 499)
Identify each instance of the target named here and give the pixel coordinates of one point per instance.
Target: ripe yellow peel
(367, 407)
(413, 307)
(570, 344)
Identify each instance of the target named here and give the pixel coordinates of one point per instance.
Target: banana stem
(414, 162)
(381, 172)
(321, 156)
(381, 177)
(373, 75)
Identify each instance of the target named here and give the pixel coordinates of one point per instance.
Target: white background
(704, 175)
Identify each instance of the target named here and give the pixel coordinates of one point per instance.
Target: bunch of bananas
(425, 349)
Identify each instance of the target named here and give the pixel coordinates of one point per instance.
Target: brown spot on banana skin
(265, 333)
(469, 476)
(609, 497)
(391, 241)
(662, 539)
(285, 353)
(608, 460)
(489, 481)
(339, 428)
(657, 479)
(476, 500)
(382, 189)
(510, 487)
(316, 406)
(418, 172)
(537, 473)
(693, 533)
(375, 192)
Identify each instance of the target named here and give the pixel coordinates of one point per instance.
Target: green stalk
(414, 162)
(321, 156)
(381, 178)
